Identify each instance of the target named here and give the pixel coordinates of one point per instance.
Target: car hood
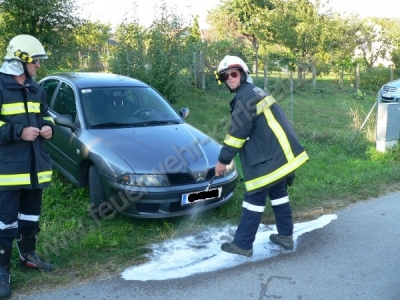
(164, 149)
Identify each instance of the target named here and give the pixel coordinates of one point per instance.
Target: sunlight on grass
(343, 168)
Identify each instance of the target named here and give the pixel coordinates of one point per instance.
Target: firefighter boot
(284, 241)
(27, 256)
(5, 258)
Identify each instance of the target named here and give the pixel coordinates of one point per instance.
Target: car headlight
(231, 168)
(143, 180)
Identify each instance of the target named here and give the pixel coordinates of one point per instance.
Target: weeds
(344, 167)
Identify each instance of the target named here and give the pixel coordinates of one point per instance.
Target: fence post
(195, 68)
(265, 72)
(291, 96)
(391, 72)
(202, 70)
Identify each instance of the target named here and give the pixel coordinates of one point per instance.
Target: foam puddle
(201, 253)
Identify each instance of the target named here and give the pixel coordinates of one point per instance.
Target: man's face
(232, 78)
(33, 67)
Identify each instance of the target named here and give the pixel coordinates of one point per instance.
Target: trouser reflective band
(247, 229)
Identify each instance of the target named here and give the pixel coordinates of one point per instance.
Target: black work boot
(5, 258)
(282, 240)
(27, 256)
(232, 248)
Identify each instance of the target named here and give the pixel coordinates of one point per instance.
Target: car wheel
(96, 192)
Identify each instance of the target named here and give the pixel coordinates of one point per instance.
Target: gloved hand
(290, 179)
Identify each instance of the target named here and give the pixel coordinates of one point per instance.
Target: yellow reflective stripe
(19, 108)
(49, 119)
(264, 104)
(22, 179)
(13, 109)
(234, 142)
(33, 107)
(2, 123)
(15, 179)
(280, 134)
(252, 207)
(44, 176)
(277, 174)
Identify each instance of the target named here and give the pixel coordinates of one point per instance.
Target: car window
(49, 87)
(125, 105)
(150, 98)
(64, 104)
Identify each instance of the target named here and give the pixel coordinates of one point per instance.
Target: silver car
(390, 92)
(135, 152)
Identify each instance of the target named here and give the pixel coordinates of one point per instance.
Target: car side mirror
(66, 121)
(184, 112)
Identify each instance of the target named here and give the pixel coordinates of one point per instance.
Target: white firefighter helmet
(231, 62)
(25, 48)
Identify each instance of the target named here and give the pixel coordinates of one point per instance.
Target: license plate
(386, 95)
(201, 196)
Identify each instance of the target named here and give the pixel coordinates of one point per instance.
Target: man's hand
(46, 132)
(30, 133)
(219, 169)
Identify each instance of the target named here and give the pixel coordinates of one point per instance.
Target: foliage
(93, 43)
(372, 79)
(46, 20)
(374, 40)
(129, 56)
(166, 56)
(344, 168)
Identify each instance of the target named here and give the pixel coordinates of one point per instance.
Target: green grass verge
(344, 168)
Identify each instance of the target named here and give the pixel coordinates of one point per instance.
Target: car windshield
(126, 106)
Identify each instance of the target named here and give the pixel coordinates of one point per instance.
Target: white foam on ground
(201, 253)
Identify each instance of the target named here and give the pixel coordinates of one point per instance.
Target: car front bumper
(166, 202)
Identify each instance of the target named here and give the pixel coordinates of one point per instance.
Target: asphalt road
(356, 256)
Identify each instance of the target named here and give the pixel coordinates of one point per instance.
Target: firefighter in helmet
(25, 166)
(269, 153)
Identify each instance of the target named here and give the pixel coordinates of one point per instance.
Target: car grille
(389, 89)
(176, 179)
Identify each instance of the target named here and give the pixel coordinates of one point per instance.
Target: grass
(344, 168)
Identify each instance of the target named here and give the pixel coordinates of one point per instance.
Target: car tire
(96, 191)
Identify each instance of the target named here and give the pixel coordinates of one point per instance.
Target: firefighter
(269, 153)
(25, 166)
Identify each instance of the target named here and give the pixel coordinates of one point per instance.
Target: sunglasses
(233, 74)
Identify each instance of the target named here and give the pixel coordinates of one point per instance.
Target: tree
(343, 44)
(251, 16)
(298, 25)
(222, 25)
(375, 42)
(51, 21)
(92, 41)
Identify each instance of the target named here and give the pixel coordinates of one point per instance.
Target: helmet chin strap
(26, 70)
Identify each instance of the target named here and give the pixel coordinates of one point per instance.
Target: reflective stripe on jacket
(260, 132)
(23, 164)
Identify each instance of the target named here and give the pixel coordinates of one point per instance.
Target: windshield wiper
(146, 123)
(112, 124)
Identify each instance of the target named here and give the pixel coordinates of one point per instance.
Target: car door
(63, 147)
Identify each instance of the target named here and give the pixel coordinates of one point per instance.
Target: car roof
(92, 80)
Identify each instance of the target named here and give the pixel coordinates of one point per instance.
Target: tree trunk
(357, 77)
(265, 72)
(341, 78)
(299, 72)
(314, 74)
